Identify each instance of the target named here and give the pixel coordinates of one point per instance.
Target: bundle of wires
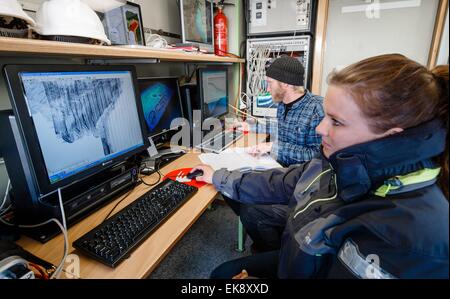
(256, 70)
(62, 226)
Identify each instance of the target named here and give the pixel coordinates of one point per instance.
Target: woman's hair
(383, 86)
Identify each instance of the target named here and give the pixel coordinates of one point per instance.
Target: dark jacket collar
(364, 167)
(297, 102)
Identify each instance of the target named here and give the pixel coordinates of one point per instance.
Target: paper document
(238, 158)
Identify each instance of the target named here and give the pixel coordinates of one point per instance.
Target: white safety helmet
(71, 18)
(12, 8)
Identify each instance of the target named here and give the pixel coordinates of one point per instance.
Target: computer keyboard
(114, 240)
(220, 142)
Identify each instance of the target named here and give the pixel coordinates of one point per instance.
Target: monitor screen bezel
(29, 134)
(200, 72)
(203, 46)
(174, 78)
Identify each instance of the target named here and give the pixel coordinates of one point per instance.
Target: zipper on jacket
(320, 199)
(313, 181)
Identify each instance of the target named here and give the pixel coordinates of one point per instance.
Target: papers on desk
(239, 159)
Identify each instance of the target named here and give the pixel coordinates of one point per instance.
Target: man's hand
(208, 173)
(260, 149)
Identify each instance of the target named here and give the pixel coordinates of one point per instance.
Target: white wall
(443, 51)
(31, 4)
(353, 36)
(236, 25)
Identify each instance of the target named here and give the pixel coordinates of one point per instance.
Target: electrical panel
(280, 17)
(261, 52)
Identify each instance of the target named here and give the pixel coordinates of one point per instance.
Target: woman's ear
(392, 131)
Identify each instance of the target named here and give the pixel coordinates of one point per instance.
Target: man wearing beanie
(299, 113)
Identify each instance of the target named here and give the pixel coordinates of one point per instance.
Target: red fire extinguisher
(220, 32)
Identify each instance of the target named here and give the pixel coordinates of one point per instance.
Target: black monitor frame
(200, 86)
(161, 137)
(26, 126)
(178, 94)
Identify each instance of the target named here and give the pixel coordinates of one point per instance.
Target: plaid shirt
(296, 140)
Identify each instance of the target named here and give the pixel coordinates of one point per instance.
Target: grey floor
(208, 243)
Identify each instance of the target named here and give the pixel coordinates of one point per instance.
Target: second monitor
(214, 100)
(213, 87)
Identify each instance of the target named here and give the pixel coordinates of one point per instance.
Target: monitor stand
(160, 156)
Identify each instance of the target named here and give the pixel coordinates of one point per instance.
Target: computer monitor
(213, 92)
(197, 23)
(74, 121)
(263, 106)
(161, 105)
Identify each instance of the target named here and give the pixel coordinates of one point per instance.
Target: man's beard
(278, 97)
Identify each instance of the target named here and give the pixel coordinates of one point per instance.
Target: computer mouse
(194, 174)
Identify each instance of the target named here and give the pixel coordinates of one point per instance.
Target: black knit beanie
(288, 70)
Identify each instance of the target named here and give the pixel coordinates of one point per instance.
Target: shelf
(14, 46)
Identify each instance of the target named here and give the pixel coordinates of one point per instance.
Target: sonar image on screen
(82, 118)
(155, 100)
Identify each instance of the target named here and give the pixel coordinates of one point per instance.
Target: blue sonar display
(160, 102)
(265, 101)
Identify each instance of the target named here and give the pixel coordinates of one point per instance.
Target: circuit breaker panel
(280, 17)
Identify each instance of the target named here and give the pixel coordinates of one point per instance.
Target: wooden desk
(147, 256)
